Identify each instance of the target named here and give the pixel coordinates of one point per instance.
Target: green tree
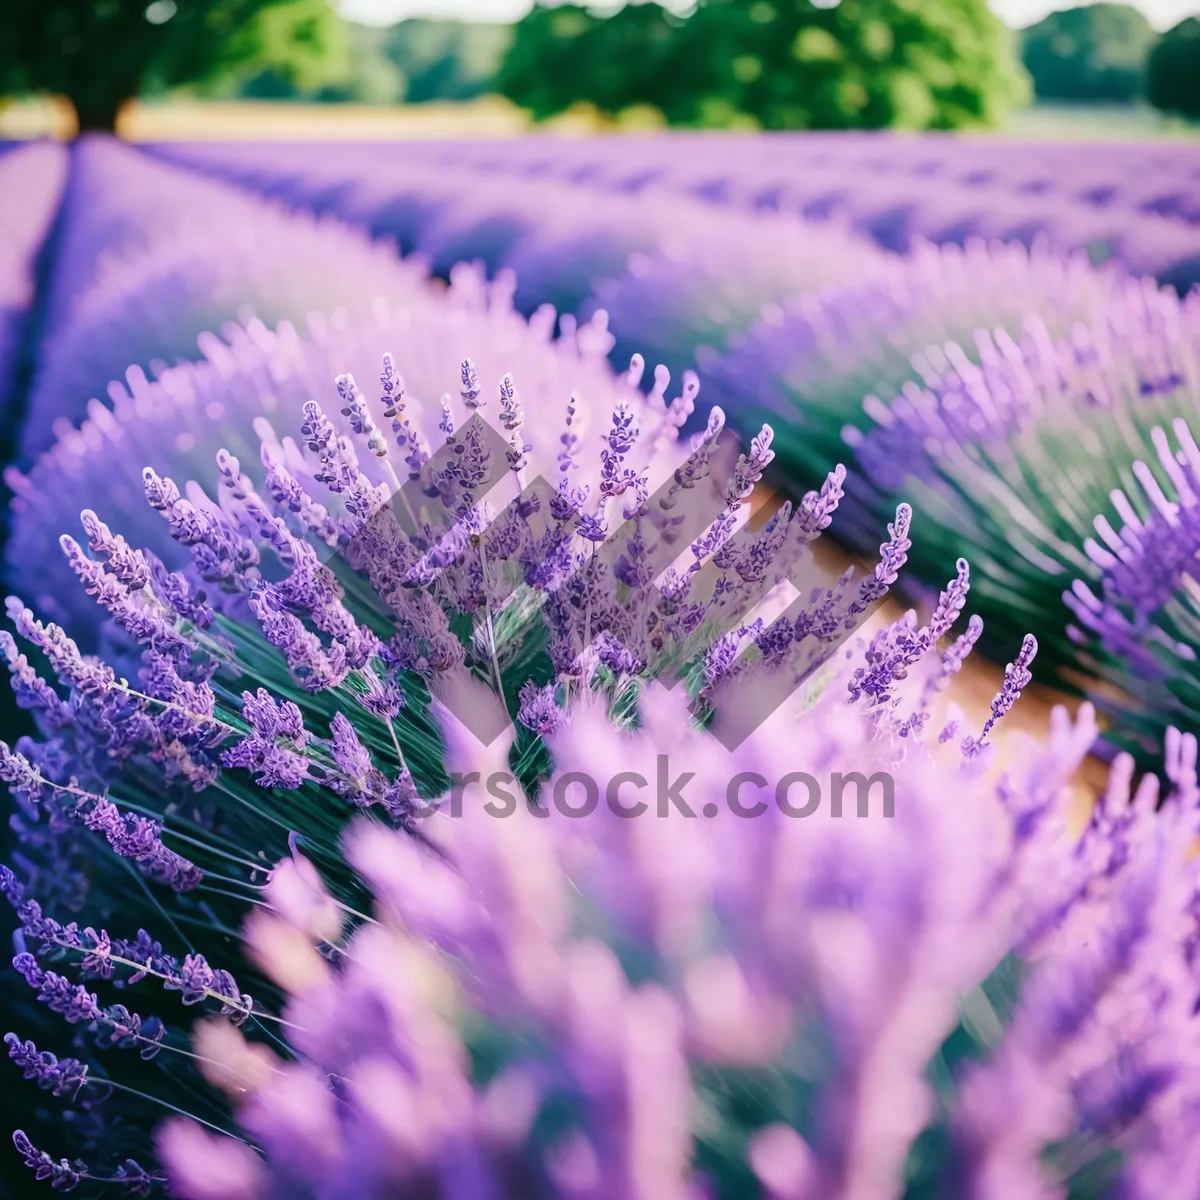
(446, 60)
(775, 64)
(289, 49)
(100, 53)
(1097, 52)
(1174, 69)
(565, 54)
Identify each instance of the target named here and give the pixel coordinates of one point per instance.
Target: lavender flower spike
(58, 1076)
(1017, 677)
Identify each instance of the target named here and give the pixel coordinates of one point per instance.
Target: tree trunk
(97, 114)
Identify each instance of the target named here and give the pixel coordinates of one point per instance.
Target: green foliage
(1093, 53)
(446, 60)
(567, 54)
(100, 53)
(410, 62)
(1173, 72)
(291, 48)
(774, 64)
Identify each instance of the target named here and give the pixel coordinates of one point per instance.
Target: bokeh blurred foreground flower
(791, 1008)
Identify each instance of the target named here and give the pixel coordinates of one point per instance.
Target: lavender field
(444, 580)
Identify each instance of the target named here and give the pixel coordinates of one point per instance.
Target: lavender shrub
(805, 366)
(702, 293)
(257, 801)
(119, 200)
(1014, 457)
(148, 309)
(277, 690)
(180, 420)
(1128, 203)
(546, 1006)
(1135, 616)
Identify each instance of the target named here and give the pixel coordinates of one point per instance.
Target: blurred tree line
(1093, 53)
(1173, 72)
(825, 64)
(772, 64)
(100, 53)
(411, 62)
(1110, 53)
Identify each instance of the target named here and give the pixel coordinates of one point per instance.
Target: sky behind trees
(1161, 13)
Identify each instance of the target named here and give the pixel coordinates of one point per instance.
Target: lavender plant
(180, 420)
(807, 366)
(147, 307)
(257, 800)
(394, 198)
(707, 291)
(899, 190)
(549, 1006)
(272, 689)
(1016, 456)
(149, 310)
(1135, 610)
(118, 202)
(563, 239)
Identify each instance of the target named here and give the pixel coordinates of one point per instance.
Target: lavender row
(1145, 233)
(1068, 465)
(328, 731)
(808, 362)
(536, 1005)
(182, 419)
(1156, 178)
(153, 256)
(31, 179)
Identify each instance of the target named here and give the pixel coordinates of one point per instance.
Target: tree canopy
(100, 53)
(1174, 69)
(1097, 52)
(446, 60)
(563, 55)
(773, 64)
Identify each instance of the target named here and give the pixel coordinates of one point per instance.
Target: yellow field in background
(487, 117)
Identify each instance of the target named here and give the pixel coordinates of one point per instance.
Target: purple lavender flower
(631, 973)
(58, 1076)
(1017, 454)
(178, 423)
(806, 923)
(695, 292)
(1133, 623)
(807, 364)
(208, 1167)
(539, 711)
(66, 1175)
(114, 1025)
